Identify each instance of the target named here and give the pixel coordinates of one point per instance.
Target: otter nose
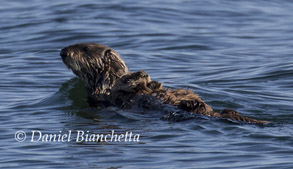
(63, 53)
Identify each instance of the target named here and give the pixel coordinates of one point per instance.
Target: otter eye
(86, 49)
(145, 75)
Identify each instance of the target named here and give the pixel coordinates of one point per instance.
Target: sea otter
(109, 83)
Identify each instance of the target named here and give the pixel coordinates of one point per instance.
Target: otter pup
(109, 82)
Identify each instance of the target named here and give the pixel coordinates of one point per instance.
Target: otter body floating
(109, 82)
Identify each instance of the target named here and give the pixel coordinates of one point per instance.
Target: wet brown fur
(109, 82)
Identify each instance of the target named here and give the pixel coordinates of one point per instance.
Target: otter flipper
(234, 115)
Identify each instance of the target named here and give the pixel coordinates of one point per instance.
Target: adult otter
(98, 66)
(109, 82)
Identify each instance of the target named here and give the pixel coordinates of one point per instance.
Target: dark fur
(98, 66)
(109, 82)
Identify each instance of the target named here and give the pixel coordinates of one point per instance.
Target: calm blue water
(234, 54)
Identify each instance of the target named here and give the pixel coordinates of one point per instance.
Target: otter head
(97, 65)
(131, 85)
(136, 82)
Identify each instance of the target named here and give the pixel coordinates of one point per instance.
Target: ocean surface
(234, 54)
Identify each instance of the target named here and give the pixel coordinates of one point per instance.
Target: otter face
(128, 86)
(97, 65)
(133, 83)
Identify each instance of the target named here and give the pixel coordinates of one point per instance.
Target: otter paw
(191, 105)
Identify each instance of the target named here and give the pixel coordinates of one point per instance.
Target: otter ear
(107, 53)
(116, 63)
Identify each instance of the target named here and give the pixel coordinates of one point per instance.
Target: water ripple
(234, 54)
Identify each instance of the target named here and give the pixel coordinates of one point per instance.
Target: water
(234, 54)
